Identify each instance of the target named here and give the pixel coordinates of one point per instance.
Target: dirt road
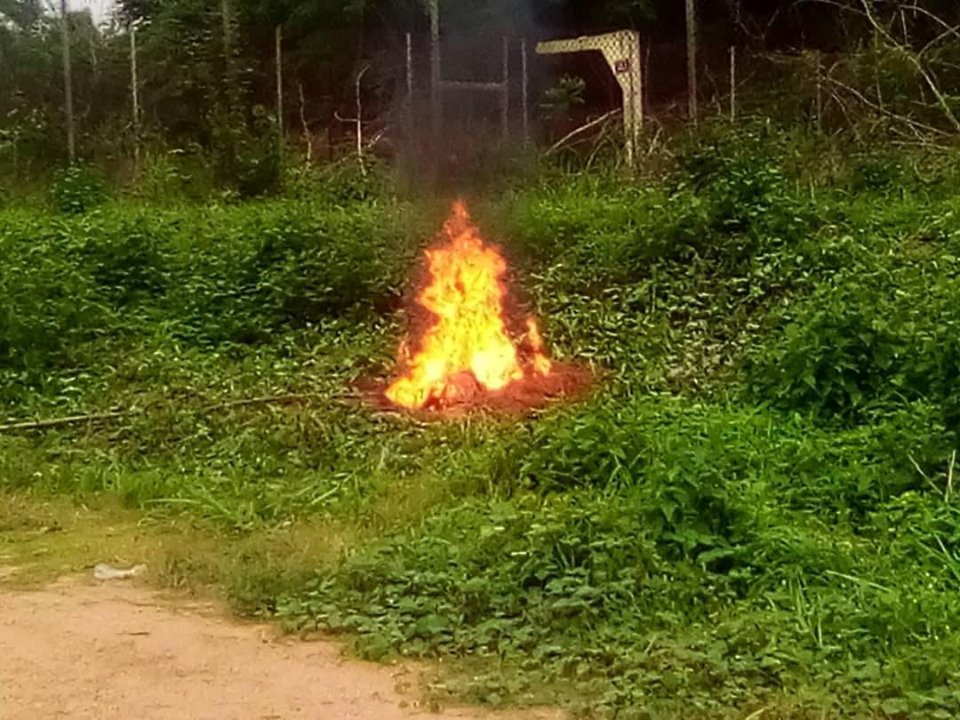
(114, 652)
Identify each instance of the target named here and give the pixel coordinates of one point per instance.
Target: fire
(468, 345)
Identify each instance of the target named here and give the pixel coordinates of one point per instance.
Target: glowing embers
(465, 351)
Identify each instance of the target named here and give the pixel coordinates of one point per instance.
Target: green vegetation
(755, 510)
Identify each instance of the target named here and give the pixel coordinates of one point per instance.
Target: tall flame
(468, 337)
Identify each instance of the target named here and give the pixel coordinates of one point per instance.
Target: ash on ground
(464, 394)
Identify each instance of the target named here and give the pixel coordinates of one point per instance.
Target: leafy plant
(559, 101)
(77, 189)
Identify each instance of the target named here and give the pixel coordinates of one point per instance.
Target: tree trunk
(408, 114)
(692, 59)
(135, 96)
(227, 31)
(230, 67)
(733, 83)
(525, 88)
(435, 103)
(279, 62)
(68, 83)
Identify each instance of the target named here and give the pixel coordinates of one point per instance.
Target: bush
(288, 266)
(128, 259)
(50, 304)
(78, 189)
(248, 161)
(867, 340)
(204, 275)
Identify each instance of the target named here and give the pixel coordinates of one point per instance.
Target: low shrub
(78, 189)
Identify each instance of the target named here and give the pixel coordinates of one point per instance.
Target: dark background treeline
(207, 75)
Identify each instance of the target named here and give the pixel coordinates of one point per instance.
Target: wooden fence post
(278, 42)
(692, 59)
(525, 88)
(135, 96)
(68, 83)
(436, 107)
(505, 110)
(733, 83)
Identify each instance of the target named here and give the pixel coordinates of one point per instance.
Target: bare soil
(115, 651)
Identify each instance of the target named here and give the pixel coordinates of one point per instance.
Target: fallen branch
(580, 130)
(269, 400)
(118, 414)
(72, 420)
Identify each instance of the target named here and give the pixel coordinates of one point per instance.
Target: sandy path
(116, 652)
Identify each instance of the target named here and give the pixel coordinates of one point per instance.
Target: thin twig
(853, 578)
(72, 420)
(307, 134)
(118, 414)
(923, 474)
(933, 16)
(918, 65)
(580, 130)
(359, 121)
(913, 124)
(655, 140)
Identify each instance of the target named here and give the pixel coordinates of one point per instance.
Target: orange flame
(468, 343)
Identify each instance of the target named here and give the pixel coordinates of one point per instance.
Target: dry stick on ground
(72, 420)
(923, 474)
(580, 130)
(607, 133)
(118, 414)
(654, 141)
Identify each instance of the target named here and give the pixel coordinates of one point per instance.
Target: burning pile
(467, 351)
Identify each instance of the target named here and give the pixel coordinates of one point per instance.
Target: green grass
(755, 510)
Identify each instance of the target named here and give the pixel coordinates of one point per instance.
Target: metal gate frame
(621, 50)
